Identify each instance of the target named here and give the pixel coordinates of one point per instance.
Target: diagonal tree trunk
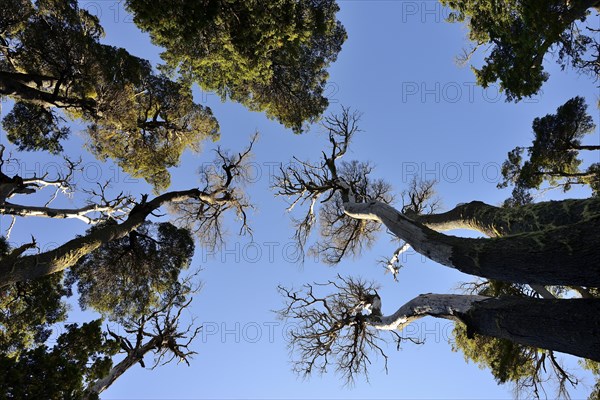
(502, 221)
(49, 212)
(133, 357)
(566, 255)
(570, 326)
(19, 269)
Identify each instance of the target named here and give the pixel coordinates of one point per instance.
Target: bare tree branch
(200, 209)
(158, 332)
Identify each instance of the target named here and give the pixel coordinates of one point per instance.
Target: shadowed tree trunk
(501, 221)
(17, 269)
(570, 326)
(567, 255)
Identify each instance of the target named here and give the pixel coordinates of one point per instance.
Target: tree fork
(567, 255)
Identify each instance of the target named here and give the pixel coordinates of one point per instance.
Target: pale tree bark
(502, 221)
(23, 268)
(81, 213)
(570, 326)
(159, 333)
(115, 372)
(16, 185)
(566, 255)
(551, 243)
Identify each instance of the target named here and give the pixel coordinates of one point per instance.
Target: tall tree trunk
(567, 255)
(567, 325)
(135, 356)
(34, 266)
(501, 221)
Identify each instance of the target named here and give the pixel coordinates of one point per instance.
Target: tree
(355, 207)
(341, 327)
(156, 331)
(134, 281)
(509, 323)
(519, 35)
(52, 60)
(126, 276)
(125, 267)
(198, 210)
(80, 354)
(80, 364)
(29, 310)
(527, 367)
(553, 155)
(270, 57)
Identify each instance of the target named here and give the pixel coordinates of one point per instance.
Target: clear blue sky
(422, 114)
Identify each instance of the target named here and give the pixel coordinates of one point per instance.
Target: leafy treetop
(269, 56)
(520, 33)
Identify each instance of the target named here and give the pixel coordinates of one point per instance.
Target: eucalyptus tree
(519, 34)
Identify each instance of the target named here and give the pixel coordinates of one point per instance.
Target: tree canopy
(537, 264)
(521, 33)
(554, 153)
(269, 56)
(52, 60)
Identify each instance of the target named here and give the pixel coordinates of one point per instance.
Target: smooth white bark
(436, 305)
(404, 228)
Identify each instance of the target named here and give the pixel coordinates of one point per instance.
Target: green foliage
(595, 394)
(80, 355)
(28, 310)
(593, 366)
(269, 56)
(52, 59)
(149, 134)
(523, 366)
(33, 127)
(554, 154)
(126, 277)
(508, 362)
(519, 34)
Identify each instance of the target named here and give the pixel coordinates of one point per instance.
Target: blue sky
(422, 114)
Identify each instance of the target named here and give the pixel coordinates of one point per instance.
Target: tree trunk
(48, 212)
(567, 255)
(570, 326)
(501, 221)
(15, 85)
(115, 372)
(35, 266)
